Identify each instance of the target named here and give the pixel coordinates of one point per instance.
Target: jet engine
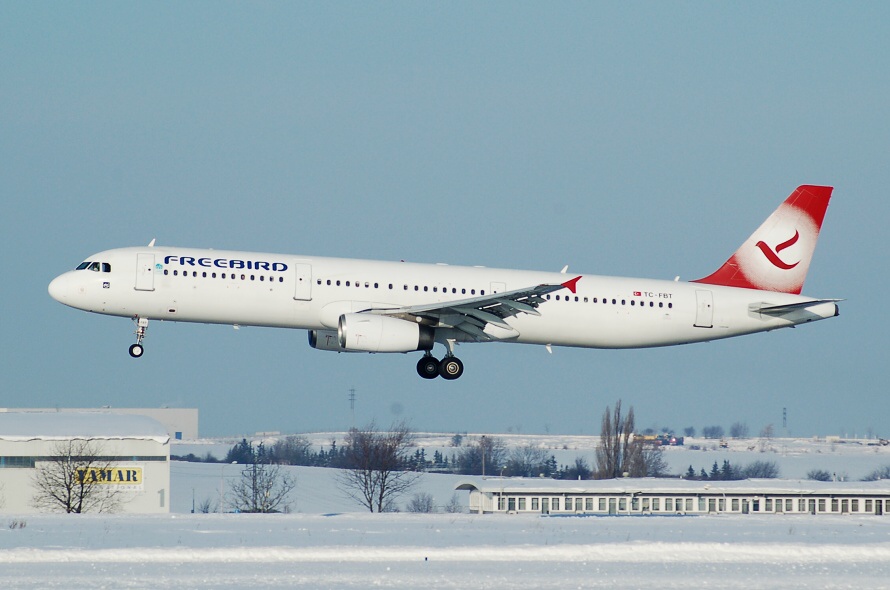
(368, 332)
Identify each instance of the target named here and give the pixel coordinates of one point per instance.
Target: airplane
(350, 305)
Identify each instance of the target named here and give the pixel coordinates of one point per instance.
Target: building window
(535, 504)
(522, 503)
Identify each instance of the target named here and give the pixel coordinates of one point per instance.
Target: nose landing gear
(136, 350)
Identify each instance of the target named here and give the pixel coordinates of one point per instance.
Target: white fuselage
(286, 291)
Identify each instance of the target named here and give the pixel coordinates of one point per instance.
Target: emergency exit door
(704, 309)
(145, 272)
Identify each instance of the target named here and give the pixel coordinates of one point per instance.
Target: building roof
(25, 426)
(650, 485)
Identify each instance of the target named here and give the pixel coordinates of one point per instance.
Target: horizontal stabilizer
(770, 309)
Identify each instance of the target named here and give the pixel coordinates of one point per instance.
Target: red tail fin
(777, 256)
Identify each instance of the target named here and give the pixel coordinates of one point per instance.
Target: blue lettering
(226, 263)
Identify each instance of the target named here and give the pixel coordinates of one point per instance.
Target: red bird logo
(773, 255)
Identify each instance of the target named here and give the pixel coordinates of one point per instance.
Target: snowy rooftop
(25, 426)
(668, 485)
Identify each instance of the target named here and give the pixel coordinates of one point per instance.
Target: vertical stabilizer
(777, 256)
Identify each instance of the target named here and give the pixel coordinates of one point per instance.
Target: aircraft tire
(451, 368)
(428, 367)
(136, 351)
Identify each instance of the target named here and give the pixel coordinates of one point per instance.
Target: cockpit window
(94, 266)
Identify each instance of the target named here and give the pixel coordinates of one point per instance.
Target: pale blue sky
(633, 138)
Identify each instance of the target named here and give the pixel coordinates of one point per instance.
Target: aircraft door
(704, 309)
(145, 272)
(303, 288)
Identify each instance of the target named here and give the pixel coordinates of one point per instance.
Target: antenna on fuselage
(151, 244)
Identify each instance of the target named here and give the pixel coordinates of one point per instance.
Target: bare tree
(738, 430)
(421, 503)
(818, 475)
(292, 450)
(654, 464)
(761, 470)
(617, 453)
(76, 478)
(878, 474)
(375, 466)
(454, 505)
(766, 438)
(263, 486)
(487, 455)
(526, 461)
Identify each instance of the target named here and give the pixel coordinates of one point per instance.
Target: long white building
(674, 496)
(134, 449)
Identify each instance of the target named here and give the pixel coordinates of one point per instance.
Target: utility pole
(352, 407)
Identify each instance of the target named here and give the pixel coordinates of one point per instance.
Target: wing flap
(474, 315)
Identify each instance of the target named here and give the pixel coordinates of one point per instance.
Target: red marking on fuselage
(773, 257)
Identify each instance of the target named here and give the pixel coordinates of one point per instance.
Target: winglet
(572, 284)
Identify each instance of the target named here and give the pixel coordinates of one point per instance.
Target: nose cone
(58, 288)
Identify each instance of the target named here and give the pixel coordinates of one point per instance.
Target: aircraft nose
(58, 288)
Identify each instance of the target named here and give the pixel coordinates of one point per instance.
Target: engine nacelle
(325, 340)
(368, 332)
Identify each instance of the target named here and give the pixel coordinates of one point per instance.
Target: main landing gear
(450, 367)
(136, 350)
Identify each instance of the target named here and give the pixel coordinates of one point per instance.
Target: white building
(181, 423)
(674, 496)
(135, 448)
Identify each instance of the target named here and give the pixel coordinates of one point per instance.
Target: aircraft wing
(482, 318)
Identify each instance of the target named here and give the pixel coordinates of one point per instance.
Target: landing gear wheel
(428, 367)
(136, 350)
(451, 368)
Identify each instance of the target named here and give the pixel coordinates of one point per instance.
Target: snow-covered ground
(327, 541)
